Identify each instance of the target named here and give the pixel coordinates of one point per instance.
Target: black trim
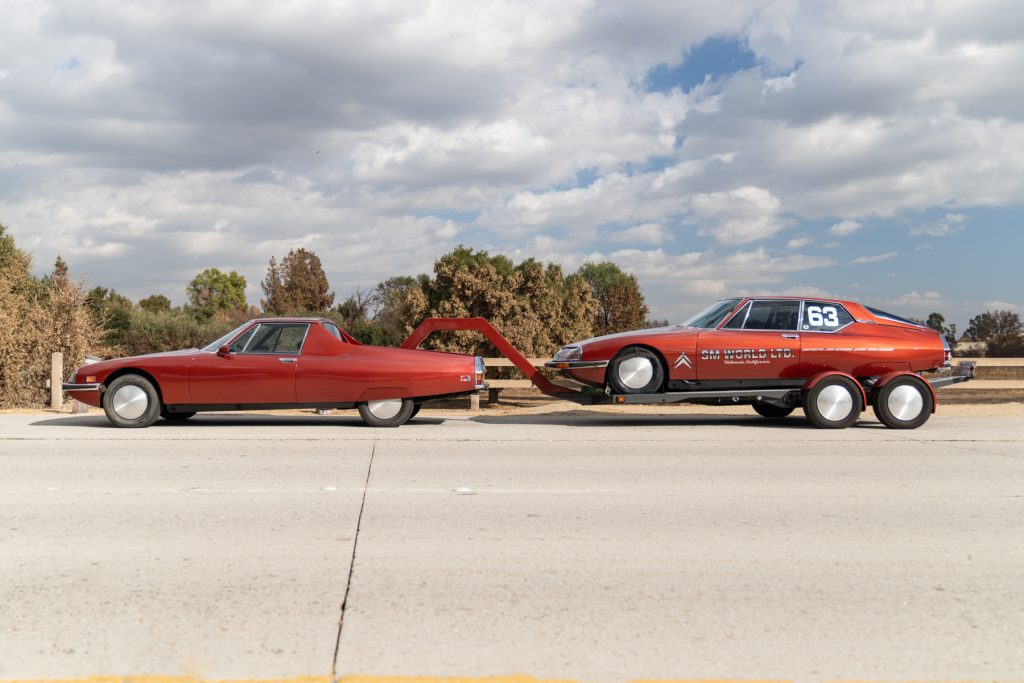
(725, 384)
(214, 407)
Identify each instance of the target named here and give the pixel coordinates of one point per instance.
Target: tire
(131, 401)
(387, 413)
(903, 403)
(636, 370)
(772, 411)
(415, 410)
(176, 417)
(833, 403)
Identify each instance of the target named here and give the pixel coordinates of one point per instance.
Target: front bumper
(73, 386)
(575, 364)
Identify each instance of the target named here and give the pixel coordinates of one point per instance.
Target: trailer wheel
(903, 403)
(391, 412)
(833, 403)
(636, 370)
(772, 411)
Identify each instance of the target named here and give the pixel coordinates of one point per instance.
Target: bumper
(963, 372)
(575, 364)
(71, 386)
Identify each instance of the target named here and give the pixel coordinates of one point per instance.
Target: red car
(833, 358)
(276, 363)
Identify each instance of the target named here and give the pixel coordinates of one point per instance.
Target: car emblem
(465, 378)
(683, 360)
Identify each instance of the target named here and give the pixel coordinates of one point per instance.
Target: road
(585, 546)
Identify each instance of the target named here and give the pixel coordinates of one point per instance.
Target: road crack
(352, 565)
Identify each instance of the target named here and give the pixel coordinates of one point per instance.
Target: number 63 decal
(819, 316)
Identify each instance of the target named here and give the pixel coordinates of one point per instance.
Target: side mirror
(224, 351)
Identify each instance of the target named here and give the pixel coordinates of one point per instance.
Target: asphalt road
(590, 546)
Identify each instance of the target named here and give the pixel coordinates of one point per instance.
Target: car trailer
(585, 395)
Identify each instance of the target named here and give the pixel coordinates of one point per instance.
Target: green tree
(213, 290)
(298, 285)
(620, 302)
(112, 312)
(937, 322)
(155, 303)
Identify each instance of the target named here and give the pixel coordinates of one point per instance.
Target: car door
(761, 341)
(258, 370)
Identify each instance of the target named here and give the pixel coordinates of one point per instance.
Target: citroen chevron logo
(683, 360)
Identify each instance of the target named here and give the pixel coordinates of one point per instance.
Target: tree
(213, 290)
(155, 303)
(1001, 331)
(937, 322)
(620, 303)
(298, 285)
(112, 312)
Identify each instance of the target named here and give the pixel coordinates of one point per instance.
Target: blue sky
(868, 150)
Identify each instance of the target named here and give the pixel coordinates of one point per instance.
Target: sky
(864, 150)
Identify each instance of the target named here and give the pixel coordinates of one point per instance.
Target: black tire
(636, 370)
(833, 403)
(904, 403)
(176, 417)
(415, 410)
(386, 418)
(772, 411)
(131, 401)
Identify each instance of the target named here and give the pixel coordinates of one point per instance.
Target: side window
(238, 346)
(333, 329)
(773, 315)
(736, 322)
(822, 316)
(278, 338)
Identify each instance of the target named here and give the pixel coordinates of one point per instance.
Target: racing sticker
(746, 356)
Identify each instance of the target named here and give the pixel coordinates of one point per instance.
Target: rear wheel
(415, 411)
(833, 403)
(770, 410)
(904, 403)
(131, 401)
(636, 370)
(175, 417)
(390, 412)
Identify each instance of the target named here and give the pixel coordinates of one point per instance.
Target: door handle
(791, 336)
(288, 360)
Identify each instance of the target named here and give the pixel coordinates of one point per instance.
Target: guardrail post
(56, 378)
(474, 401)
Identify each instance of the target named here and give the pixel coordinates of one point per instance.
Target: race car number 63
(827, 316)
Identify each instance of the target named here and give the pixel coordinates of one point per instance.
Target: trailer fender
(812, 382)
(885, 379)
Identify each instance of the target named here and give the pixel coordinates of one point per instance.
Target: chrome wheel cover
(635, 373)
(129, 402)
(385, 409)
(834, 403)
(905, 403)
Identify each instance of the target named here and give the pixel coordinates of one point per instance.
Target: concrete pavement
(583, 545)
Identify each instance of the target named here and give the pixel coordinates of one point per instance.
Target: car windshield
(713, 315)
(214, 345)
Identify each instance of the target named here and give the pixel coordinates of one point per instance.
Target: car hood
(132, 359)
(671, 329)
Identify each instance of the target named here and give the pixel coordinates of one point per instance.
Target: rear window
(333, 329)
(889, 316)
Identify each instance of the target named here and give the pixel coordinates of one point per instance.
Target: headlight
(569, 353)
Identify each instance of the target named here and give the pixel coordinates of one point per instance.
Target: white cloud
(746, 214)
(844, 228)
(947, 225)
(1002, 306)
(875, 258)
(799, 242)
(645, 233)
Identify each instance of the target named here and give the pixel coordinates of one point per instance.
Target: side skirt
(213, 407)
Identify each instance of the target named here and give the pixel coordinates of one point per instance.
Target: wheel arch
(657, 352)
(885, 379)
(121, 372)
(814, 381)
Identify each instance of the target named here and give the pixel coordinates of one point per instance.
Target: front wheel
(390, 412)
(131, 401)
(636, 370)
(904, 403)
(772, 411)
(833, 403)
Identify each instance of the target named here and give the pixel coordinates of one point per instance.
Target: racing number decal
(819, 316)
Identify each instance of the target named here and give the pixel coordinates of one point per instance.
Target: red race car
(276, 363)
(833, 358)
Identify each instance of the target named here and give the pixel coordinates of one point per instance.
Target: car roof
(769, 297)
(291, 320)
